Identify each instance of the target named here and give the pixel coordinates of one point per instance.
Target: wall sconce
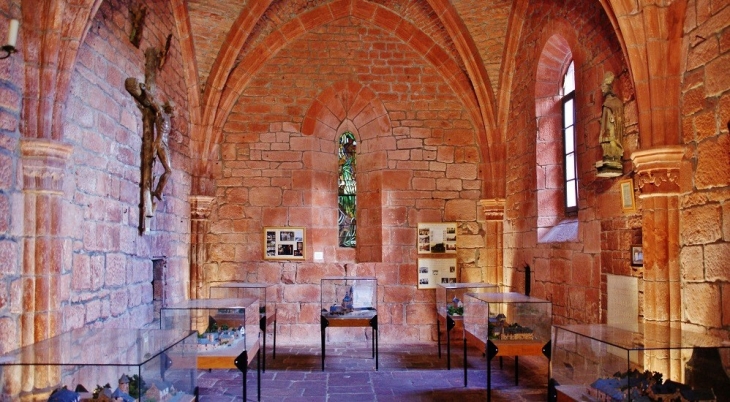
(9, 47)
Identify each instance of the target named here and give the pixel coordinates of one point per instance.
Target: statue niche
(157, 123)
(612, 131)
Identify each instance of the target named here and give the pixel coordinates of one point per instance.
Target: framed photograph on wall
(627, 195)
(637, 255)
(437, 238)
(432, 271)
(284, 243)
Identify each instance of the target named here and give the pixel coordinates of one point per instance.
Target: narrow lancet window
(346, 196)
(570, 159)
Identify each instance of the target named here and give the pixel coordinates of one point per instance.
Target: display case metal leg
(323, 326)
(241, 362)
(372, 342)
(489, 380)
(450, 324)
(438, 333)
(547, 352)
(465, 361)
(273, 354)
(448, 348)
(491, 352)
(262, 327)
(374, 326)
(258, 375)
(517, 369)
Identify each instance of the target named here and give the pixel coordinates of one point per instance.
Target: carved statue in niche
(157, 124)
(612, 124)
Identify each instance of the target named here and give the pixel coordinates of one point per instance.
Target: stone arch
(554, 59)
(350, 106)
(371, 13)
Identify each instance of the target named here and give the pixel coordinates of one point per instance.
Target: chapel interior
(455, 112)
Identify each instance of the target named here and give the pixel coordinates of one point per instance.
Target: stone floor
(406, 373)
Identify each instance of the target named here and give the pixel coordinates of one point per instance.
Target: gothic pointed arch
(228, 87)
(348, 106)
(551, 68)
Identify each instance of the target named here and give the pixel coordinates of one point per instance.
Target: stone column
(200, 206)
(44, 167)
(494, 228)
(657, 176)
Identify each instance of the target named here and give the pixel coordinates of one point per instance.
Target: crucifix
(156, 122)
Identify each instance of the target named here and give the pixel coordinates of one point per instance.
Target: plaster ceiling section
(487, 22)
(210, 22)
(417, 12)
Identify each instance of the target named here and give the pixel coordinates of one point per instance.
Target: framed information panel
(284, 243)
(438, 237)
(434, 271)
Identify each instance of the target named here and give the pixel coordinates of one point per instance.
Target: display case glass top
(112, 346)
(507, 317)
(225, 327)
(644, 336)
(349, 297)
(264, 292)
(92, 356)
(450, 296)
(629, 361)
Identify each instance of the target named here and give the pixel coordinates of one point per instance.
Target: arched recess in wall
(349, 106)
(552, 222)
(223, 91)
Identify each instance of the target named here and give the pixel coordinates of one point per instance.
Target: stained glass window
(346, 196)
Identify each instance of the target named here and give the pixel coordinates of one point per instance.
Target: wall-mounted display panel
(437, 238)
(284, 243)
(435, 271)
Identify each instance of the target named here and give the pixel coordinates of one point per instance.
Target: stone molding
(493, 209)
(44, 165)
(657, 171)
(200, 206)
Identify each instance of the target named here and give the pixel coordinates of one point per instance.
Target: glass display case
(507, 324)
(228, 332)
(266, 293)
(637, 362)
(450, 309)
(141, 365)
(350, 301)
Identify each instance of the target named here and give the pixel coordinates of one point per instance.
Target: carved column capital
(493, 209)
(657, 171)
(44, 164)
(200, 206)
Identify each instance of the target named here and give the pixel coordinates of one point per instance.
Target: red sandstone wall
(273, 175)
(569, 273)
(11, 205)
(705, 212)
(110, 265)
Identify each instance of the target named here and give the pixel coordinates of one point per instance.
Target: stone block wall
(569, 264)
(11, 199)
(106, 266)
(111, 278)
(418, 161)
(704, 225)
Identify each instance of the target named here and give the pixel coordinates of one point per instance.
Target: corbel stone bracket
(493, 209)
(657, 171)
(44, 165)
(200, 206)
